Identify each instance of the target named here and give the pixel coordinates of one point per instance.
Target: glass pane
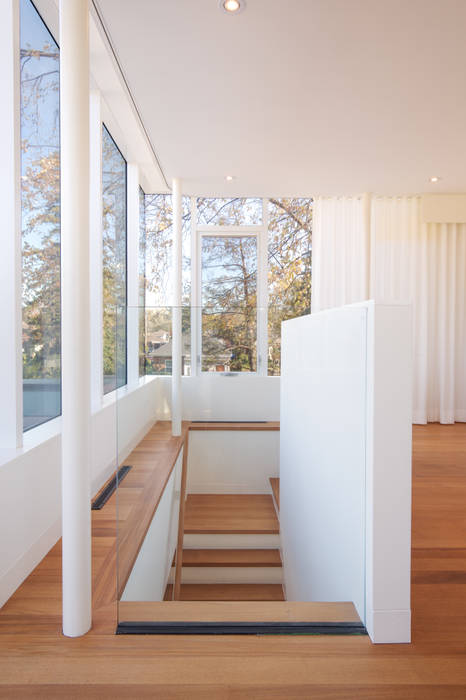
(229, 314)
(159, 246)
(159, 340)
(40, 215)
(235, 211)
(114, 263)
(142, 282)
(289, 259)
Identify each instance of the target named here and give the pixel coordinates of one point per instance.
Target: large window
(236, 211)
(142, 282)
(159, 284)
(40, 215)
(289, 268)
(114, 264)
(250, 270)
(229, 303)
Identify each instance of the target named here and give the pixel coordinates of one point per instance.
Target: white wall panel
(322, 456)
(345, 469)
(223, 461)
(213, 396)
(149, 575)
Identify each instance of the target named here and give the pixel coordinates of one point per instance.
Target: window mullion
(262, 293)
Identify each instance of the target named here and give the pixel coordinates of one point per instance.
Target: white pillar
(176, 314)
(96, 250)
(133, 272)
(74, 124)
(11, 406)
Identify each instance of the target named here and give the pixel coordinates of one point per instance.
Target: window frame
(125, 383)
(259, 232)
(52, 34)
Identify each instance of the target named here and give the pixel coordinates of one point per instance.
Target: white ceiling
(299, 97)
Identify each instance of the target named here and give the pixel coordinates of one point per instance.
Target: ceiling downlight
(232, 7)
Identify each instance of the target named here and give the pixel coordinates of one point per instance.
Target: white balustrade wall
(345, 462)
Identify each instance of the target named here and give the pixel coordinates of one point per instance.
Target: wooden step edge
(242, 426)
(227, 592)
(237, 611)
(231, 558)
(275, 486)
(235, 531)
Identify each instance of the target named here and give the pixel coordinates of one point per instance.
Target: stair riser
(230, 574)
(213, 541)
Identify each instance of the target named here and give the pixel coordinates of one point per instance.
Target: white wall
(149, 575)
(345, 470)
(30, 479)
(223, 398)
(322, 456)
(389, 473)
(223, 461)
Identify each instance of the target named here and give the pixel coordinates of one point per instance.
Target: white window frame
(260, 233)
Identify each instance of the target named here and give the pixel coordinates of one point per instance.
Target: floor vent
(106, 492)
(256, 628)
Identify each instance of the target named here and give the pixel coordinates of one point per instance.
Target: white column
(262, 292)
(133, 272)
(74, 124)
(176, 314)
(11, 406)
(95, 249)
(195, 305)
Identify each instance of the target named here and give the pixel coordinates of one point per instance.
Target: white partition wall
(345, 462)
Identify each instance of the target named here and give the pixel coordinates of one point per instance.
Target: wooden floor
(37, 662)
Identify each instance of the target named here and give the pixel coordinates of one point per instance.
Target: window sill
(113, 396)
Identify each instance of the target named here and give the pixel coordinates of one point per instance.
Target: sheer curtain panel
(340, 251)
(425, 264)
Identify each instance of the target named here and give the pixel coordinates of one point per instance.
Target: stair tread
(231, 557)
(230, 513)
(275, 484)
(244, 611)
(228, 591)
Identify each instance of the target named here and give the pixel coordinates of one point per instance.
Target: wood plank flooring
(230, 514)
(36, 661)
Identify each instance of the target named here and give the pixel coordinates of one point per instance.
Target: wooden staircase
(231, 549)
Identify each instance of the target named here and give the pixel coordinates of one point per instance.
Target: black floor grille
(105, 494)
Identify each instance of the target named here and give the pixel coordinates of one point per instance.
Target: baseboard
(28, 561)
(389, 626)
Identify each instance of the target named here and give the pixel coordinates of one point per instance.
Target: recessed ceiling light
(434, 178)
(229, 178)
(233, 7)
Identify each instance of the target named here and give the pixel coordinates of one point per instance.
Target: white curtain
(340, 251)
(425, 264)
(403, 260)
